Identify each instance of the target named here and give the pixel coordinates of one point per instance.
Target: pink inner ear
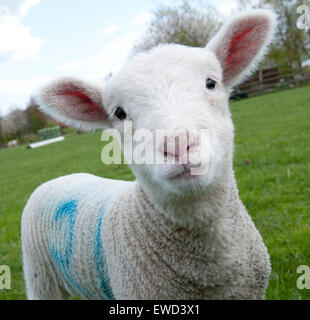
(235, 40)
(79, 105)
(84, 99)
(243, 47)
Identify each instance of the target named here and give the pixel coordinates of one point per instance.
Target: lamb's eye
(210, 84)
(120, 113)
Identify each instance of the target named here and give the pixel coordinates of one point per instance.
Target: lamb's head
(180, 89)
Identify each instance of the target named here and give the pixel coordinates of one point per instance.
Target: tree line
(21, 124)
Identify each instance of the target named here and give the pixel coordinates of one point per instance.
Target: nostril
(178, 149)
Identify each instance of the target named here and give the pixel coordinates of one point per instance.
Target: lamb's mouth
(184, 174)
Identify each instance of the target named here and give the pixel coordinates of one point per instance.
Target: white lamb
(169, 234)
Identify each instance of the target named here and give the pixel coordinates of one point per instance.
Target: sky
(41, 40)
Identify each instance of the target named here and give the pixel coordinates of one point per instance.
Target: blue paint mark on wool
(65, 271)
(100, 262)
(67, 210)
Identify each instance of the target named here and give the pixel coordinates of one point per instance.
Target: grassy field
(272, 164)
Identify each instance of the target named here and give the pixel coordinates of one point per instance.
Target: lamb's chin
(182, 186)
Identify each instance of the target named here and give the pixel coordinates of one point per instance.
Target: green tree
(190, 23)
(291, 45)
(37, 119)
(16, 123)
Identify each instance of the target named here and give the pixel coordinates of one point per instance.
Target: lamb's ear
(242, 42)
(74, 103)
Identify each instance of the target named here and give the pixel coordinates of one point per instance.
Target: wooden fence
(271, 79)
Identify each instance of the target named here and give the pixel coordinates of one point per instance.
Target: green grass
(272, 167)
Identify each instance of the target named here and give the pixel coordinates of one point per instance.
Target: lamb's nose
(176, 150)
(178, 146)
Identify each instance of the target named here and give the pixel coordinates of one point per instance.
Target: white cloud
(17, 42)
(110, 58)
(109, 30)
(113, 54)
(16, 93)
(142, 18)
(69, 66)
(20, 86)
(26, 6)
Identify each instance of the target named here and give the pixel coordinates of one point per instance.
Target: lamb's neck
(155, 233)
(220, 202)
(153, 241)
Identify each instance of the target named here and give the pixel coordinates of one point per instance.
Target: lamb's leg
(40, 278)
(42, 282)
